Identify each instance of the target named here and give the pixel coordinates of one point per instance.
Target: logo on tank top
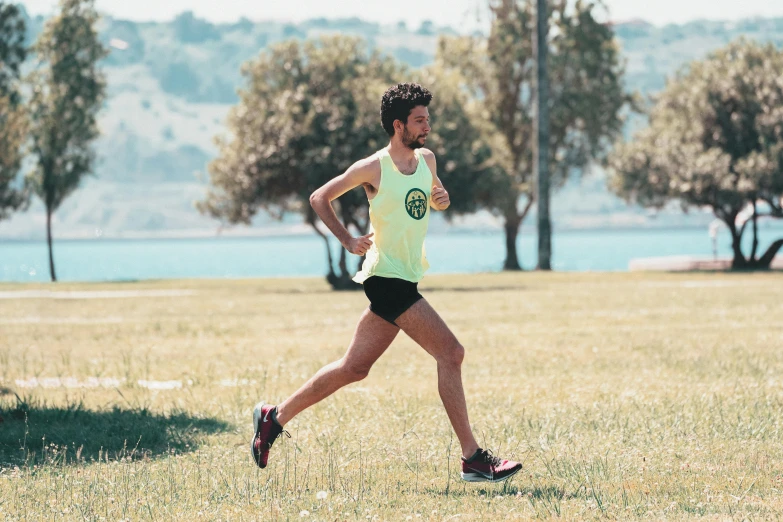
(416, 203)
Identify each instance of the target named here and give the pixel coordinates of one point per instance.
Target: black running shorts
(390, 297)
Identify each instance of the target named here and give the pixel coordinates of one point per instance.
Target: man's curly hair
(399, 101)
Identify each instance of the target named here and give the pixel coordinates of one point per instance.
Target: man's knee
(454, 354)
(353, 372)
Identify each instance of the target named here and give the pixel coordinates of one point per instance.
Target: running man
(401, 184)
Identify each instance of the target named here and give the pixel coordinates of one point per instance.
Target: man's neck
(400, 151)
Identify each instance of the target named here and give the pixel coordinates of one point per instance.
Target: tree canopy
(13, 120)
(68, 91)
(715, 139)
(586, 98)
(311, 109)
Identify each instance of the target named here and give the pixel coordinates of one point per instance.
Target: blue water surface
(225, 257)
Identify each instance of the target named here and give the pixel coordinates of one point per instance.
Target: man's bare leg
(425, 326)
(371, 338)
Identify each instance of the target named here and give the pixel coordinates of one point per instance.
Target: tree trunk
(343, 280)
(330, 262)
(755, 247)
(342, 264)
(769, 255)
(738, 262)
(49, 242)
(511, 228)
(363, 227)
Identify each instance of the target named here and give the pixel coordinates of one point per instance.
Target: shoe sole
(256, 420)
(477, 477)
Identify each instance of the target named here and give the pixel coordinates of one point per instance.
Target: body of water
(121, 260)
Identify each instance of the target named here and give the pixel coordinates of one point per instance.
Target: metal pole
(541, 147)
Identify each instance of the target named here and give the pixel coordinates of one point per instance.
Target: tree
(67, 92)
(471, 153)
(311, 109)
(715, 139)
(308, 111)
(586, 96)
(13, 121)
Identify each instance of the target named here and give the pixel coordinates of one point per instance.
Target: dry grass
(625, 395)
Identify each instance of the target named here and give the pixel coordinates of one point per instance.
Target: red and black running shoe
(483, 466)
(267, 431)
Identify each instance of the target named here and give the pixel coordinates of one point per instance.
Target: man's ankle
(469, 453)
(276, 415)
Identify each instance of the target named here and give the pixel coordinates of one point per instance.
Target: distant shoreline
(289, 233)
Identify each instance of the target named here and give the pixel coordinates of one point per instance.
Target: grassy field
(626, 396)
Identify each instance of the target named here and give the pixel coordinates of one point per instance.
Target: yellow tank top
(399, 215)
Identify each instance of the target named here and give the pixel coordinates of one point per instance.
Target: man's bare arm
(439, 197)
(360, 173)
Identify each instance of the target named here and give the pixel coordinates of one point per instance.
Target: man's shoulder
(429, 157)
(367, 168)
(427, 154)
(370, 163)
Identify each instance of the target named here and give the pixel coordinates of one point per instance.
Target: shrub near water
(625, 396)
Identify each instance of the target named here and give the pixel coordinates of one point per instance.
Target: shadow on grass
(423, 290)
(505, 489)
(41, 435)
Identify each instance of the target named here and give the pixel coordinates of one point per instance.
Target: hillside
(172, 84)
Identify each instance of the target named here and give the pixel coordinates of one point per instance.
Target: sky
(460, 14)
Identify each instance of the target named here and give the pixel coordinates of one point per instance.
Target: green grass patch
(626, 396)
